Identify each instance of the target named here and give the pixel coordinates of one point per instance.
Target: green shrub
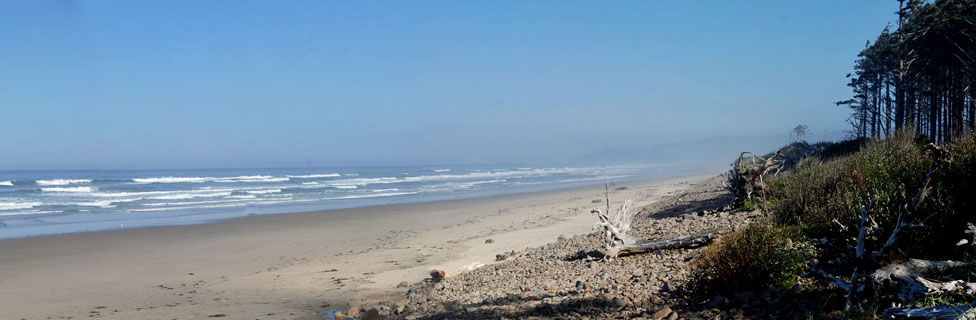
(819, 195)
(820, 198)
(752, 259)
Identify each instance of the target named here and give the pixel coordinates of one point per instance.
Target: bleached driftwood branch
(940, 312)
(916, 277)
(615, 225)
(687, 241)
(859, 260)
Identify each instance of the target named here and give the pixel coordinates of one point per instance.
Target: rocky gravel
(569, 279)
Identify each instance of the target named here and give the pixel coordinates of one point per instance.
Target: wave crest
(18, 205)
(316, 176)
(71, 189)
(61, 182)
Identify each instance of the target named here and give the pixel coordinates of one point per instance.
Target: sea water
(36, 203)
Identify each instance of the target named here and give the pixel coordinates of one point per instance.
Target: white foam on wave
(25, 212)
(340, 186)
(316, 176)
(172, 193)
(99, 203)
(375, 195)
(18, 205)
(181, 196)
(385, 190)
(171, 180)
(107, 203)
(365, 181)
(253, 179)
(501, 173)
(7, 183)
(172, 206)
(265, 191)
(442, 170)
(210, 179)
(168, 208)
(454, 186)
(70, 189)
(310, 183)
(61, 182)
(194, 203)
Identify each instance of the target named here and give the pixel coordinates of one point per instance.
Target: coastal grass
(825, 200)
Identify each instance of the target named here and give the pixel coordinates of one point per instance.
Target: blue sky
(174, 84)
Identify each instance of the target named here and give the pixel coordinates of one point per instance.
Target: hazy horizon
(118, 85)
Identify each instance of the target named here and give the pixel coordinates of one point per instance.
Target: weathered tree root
(743, 181)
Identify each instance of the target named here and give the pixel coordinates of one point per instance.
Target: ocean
(34, 203)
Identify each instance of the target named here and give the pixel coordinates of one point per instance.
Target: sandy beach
(286, 266)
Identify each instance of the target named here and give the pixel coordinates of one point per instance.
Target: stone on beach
(437, 275)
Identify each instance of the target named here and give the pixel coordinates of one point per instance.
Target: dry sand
(288, 266)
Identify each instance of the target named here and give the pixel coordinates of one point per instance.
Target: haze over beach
(310, 159)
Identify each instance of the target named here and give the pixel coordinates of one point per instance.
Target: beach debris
(403, 284)
(437, 275)
(468, 267)
(490, 241)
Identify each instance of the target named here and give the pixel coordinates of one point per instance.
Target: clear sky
(174, 84)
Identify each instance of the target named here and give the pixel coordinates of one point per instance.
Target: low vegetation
(817, 199)
(752, 259)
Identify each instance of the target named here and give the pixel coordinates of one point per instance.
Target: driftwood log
(687, 241)
(617, 242)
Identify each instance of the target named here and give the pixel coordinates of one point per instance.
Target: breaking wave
(61, 182)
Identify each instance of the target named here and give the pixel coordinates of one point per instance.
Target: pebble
(661, 314)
